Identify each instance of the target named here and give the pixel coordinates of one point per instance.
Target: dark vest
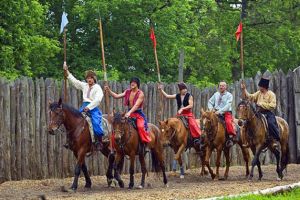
(185, 100)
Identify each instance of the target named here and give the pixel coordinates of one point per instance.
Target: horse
(215, 138)
(175, 134)
(126, 142)
(79, 138)
(258, 139)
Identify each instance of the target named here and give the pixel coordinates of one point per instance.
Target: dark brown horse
(126, 142)
(79, 138)
(215, 138)
(175, 134)
(258, 139)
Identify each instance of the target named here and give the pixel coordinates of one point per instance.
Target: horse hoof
(63, 189)
(140, 187)
(167, 185)
(73, 189)
(213, 176)
(182, 176)
(121, 184)
(88, 186)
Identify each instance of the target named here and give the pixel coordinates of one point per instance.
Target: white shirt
(221, 102)
(96, 93)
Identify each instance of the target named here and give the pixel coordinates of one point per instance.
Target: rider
(92, 95)
(265, 100)
(220, 104)
(134, 98)
(185, 104)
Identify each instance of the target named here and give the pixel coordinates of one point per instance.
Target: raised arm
(247, 95)
(76, 83)
(168, 96)
(113, 94)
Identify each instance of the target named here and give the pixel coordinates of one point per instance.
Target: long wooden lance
(65, 61)
(104, 67)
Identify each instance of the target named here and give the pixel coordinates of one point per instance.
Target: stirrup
(67, 146)
(229, 143)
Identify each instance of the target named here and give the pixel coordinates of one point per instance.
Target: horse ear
(202, 111)
(59, 101)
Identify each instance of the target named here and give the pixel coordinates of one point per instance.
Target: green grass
(289, 195)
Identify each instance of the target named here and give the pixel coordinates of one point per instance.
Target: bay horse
(175, 134)
(79, 138)
(126, 142)
(215, 138)
(257, 137)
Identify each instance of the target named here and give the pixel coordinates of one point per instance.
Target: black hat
(135, 79)
(182, 86)
(264, 83)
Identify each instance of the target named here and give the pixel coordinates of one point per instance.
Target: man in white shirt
(221, 104)
(92, 95)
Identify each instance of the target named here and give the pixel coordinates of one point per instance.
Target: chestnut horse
(215, 138)
(175, 134)
(79, 138)
(126, 142)
(258, 138)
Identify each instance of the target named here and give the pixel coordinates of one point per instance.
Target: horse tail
(285, 157)
(155, 162)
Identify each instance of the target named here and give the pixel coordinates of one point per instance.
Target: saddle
(234, 124)
(190, 140)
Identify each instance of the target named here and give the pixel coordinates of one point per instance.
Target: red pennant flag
(238, 32)
(152, 37)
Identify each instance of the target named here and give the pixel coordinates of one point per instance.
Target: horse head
(208, 121)
(56, 116)
(119, 127)
(166, 132)
(244, 112)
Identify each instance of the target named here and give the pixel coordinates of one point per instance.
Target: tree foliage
(31, 44)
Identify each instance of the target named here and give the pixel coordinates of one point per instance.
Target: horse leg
(218, 161)
(109, 174)
(203, 172)
(246, 157)
(181, 166)
(206, 162)
(255, 161)
(278, 168)
(162, 166)
(88, 182)
(227, 156)
(80, 161)
(131, 170)
(117, 176)
(144, 170)
(179, 152)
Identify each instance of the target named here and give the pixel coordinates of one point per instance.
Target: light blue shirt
(221, 103)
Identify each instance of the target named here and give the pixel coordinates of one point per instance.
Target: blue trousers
(96, 117)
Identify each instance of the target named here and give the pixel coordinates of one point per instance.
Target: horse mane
(117, 117)
(245, 103)
(71, 109)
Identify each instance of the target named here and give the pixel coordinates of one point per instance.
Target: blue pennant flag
(64, 21)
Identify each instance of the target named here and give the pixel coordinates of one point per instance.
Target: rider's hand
(243, 86)
(217, 112)
(127, 114)
(86, 109)
(65, 66)
(106, 88)
(160, 87)
(180, 111)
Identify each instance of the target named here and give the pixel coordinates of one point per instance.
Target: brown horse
(126, 142)
(215, 138)
(175, 134)
(258, 139)
(79, 139)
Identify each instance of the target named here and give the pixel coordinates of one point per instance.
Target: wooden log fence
(27, 151)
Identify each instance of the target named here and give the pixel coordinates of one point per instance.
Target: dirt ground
(191, 187)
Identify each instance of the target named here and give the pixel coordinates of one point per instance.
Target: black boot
(67, 146)
(98, 143)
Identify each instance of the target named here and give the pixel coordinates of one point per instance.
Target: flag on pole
(238, 32)
(64, 21)
(152, 37)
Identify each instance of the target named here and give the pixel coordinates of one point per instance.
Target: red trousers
(229, 123)
(193, 126)
(140, 122)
